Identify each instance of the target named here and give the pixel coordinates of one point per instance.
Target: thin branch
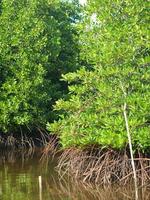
(130, 144)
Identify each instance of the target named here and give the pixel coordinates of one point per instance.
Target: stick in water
(40, 187)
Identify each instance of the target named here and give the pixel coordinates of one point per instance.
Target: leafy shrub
(114, 41)
(38, 41)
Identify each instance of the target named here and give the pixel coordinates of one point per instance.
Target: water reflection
(25, 177)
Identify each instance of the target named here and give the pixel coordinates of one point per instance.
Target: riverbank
(93, 165)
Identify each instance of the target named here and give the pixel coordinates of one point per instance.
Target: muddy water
(26, 177)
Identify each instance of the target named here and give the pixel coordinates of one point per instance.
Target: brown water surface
(24, 177)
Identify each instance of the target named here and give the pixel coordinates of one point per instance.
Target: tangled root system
(103, 166)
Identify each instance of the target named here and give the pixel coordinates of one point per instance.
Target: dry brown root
(25, 140)
(51, 149)
(103, 166)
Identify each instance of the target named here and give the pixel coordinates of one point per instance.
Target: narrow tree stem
(131, 150)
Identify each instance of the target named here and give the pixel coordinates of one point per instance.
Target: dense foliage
(114, 42)
(38, 42)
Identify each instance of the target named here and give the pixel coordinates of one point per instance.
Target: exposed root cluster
(24, 140)
(103, 166)
(51, 148)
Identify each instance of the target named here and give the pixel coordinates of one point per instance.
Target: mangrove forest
(74, 100)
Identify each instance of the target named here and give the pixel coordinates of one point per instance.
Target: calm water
(27, 178)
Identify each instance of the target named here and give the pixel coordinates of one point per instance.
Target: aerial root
(103, 166)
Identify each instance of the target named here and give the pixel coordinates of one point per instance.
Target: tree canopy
(114, 42)
(38, 42)
(101, 50)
